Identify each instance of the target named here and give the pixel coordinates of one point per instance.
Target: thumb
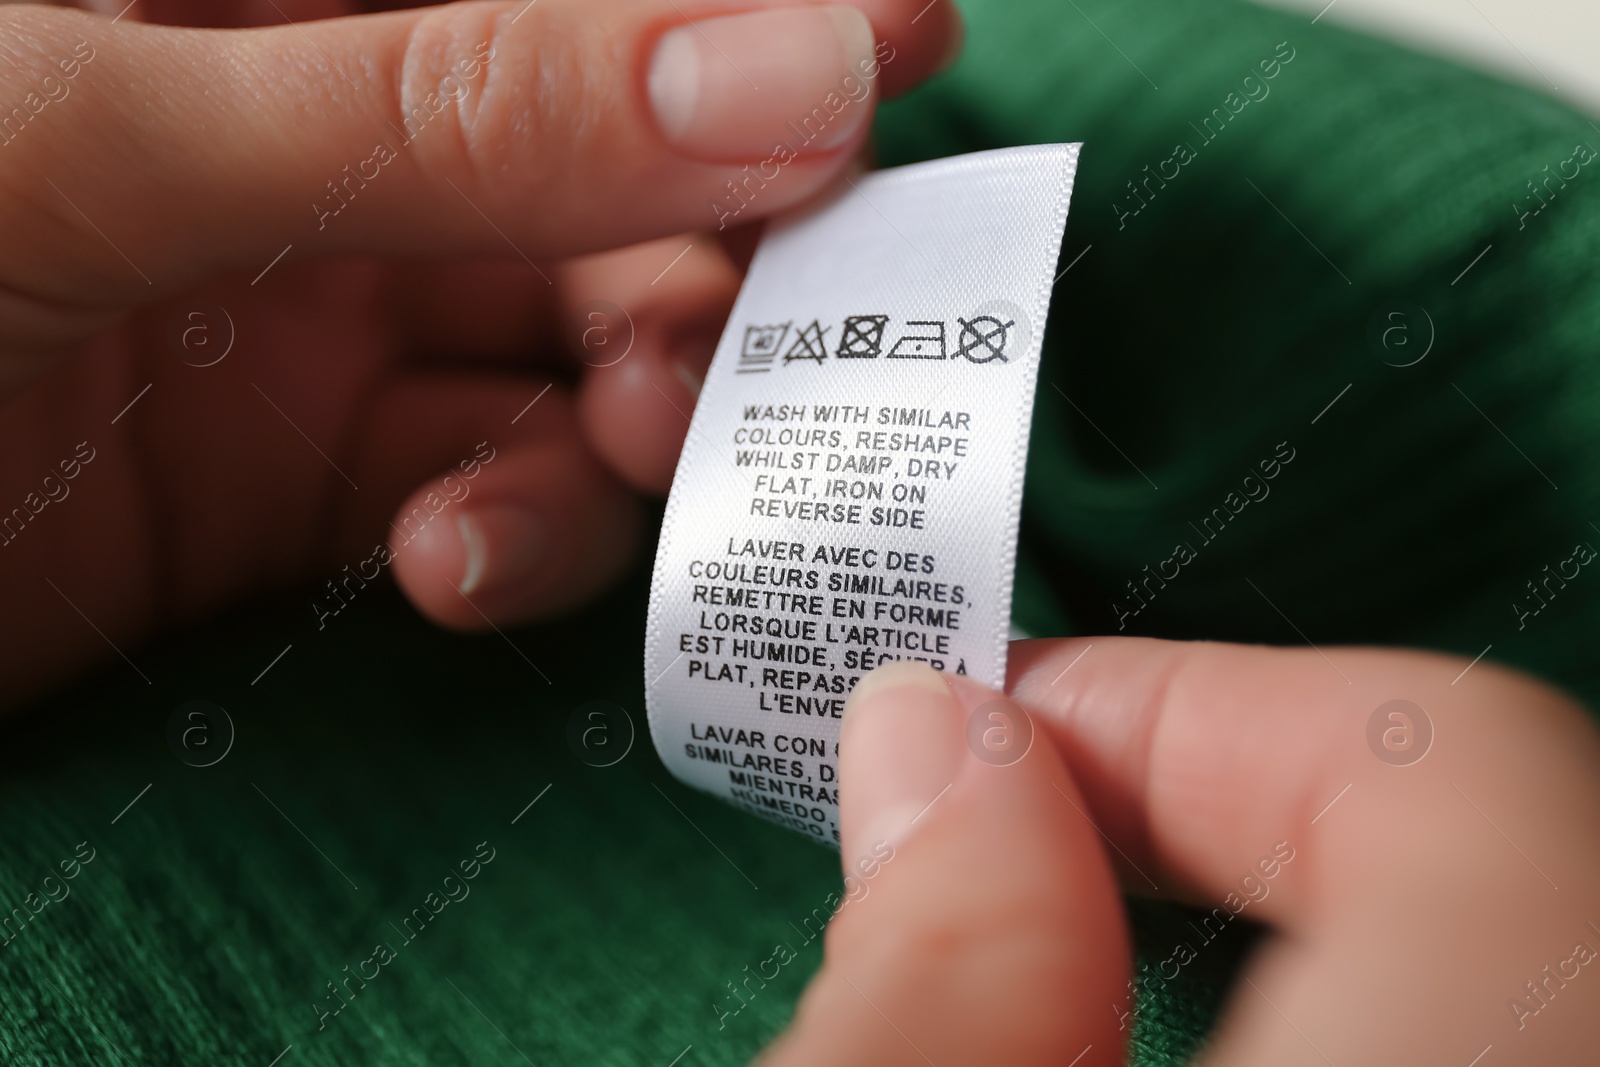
(142, 156)
(981, 922)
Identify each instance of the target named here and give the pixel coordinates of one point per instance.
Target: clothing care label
(851, 485)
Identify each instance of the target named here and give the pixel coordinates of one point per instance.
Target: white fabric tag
(851, 485)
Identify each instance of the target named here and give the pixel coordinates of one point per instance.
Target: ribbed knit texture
(1220, 320)
(1196, 335)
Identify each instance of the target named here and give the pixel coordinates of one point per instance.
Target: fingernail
(502, 546)
(902, 736)
(739, 86)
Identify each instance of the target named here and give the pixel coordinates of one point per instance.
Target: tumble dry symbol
(863, 337)
(985, 333)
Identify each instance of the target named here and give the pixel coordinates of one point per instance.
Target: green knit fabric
(1192, 338)
(1221, 319)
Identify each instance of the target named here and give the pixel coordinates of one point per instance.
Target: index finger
(541, 129)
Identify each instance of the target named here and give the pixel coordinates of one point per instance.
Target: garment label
(852, 480)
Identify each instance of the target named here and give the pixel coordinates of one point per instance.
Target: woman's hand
(196, 324)
(1429, 870)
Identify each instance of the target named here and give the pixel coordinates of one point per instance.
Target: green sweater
(1305, 250)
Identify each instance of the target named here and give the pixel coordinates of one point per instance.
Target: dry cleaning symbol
(982, 332)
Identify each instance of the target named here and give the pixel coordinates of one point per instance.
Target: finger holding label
(1415, 897)
(554, 128)
(983, 924)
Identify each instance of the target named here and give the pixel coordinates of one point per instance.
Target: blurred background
(1545, 44)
